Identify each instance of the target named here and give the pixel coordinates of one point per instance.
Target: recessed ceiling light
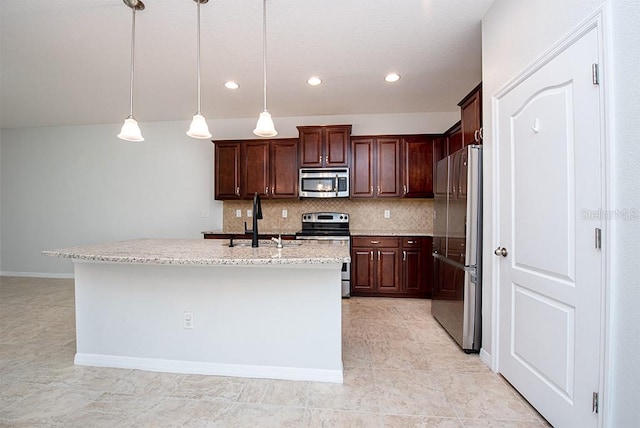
(231, 85)
(314, 81)
(392, 77)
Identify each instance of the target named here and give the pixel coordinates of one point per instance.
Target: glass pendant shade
(265, 126)
(130, 130)
(199, 128)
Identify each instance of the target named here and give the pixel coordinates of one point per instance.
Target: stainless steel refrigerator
(457, 246)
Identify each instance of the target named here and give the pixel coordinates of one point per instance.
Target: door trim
(597, 20)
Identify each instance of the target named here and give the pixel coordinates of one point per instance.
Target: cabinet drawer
(375, 241)
(412, 242)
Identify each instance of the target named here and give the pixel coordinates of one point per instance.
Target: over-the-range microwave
(324, 183)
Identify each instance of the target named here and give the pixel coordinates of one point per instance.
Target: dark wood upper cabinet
(471, 117)
(388, 168)
(284, 169)
(375, 167)
(324, 146)
(227, 170)
(362, 163)
(255, 169)
(418, 158)
(268, 167)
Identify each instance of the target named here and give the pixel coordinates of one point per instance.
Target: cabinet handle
(404, 256)
(326, 160)
(378, 255)
(266, 190)
(371, 190)
(378, 190)
(371, 255)
(476, 136)
(481, 133)
(237, 191)
(320, 159)
(411, 242)
(404, 189)
(375, 242)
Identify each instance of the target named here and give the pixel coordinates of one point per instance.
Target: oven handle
(335, 186)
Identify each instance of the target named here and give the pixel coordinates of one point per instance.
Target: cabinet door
(454, 140)
(310, 146)
(336, 145)
(418, 167)
(471, 117)
(284, 169)
(388, 164)
(227, 171)
(362, 167)
(255, 169)
(362, 270)
(412, 269)
(388, 270)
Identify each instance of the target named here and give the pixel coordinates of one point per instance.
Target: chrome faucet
(257, 215)
(278, 241)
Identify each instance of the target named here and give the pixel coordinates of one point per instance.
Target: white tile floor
(401, 370)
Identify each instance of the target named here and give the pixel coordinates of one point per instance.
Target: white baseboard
(485, 357)
(38, 275)
(206, 368)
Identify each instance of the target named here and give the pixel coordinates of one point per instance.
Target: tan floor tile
(357, 393)
(483, 395)
(402, 392)
(402, 421)
(243, 415)
(401, 370)
(322, 418)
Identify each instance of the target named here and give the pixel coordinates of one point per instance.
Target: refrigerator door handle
(466, 268)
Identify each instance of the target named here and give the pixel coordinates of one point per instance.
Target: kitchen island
(199, 306)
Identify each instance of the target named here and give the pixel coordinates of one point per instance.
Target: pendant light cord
(264, 51)
(198, 56)
(133, 59)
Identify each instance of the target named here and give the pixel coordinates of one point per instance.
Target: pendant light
(265, 126)
(130, 130)
(199, 128)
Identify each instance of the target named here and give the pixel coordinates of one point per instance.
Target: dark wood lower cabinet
(391, 266)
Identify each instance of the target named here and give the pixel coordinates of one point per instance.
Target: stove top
(324, 224)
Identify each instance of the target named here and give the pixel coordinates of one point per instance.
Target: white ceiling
(67, 62)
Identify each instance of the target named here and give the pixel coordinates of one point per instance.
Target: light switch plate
(387, 213)
(249, 213)
(284, 213)
(238, 213)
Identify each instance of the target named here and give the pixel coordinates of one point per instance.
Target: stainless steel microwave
(324, 183)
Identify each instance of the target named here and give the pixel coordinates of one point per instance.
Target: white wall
(624, 381)
(514, 34)
(67, 186)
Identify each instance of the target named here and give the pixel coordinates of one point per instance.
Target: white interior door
(550, 191)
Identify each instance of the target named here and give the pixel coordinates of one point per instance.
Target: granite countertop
(205, 252)
(389, 233)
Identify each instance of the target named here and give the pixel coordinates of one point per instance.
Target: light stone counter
(205, 252)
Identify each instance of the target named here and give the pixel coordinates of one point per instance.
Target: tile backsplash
(406, 215)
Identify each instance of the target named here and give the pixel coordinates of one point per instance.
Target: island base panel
(277, 321)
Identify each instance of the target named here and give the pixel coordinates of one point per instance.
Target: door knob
(501, 252)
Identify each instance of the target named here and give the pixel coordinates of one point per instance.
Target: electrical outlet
(238, 213)
(187, 320)
(249, 213)
(284, 213)
(387, 213)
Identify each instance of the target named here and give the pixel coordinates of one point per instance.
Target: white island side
(255, 312)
